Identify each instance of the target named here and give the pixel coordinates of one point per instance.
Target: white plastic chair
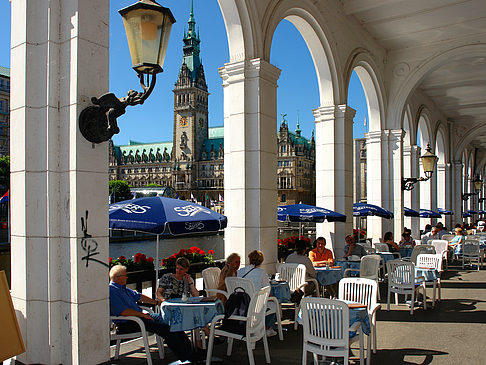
(447, 237)
(471, 253)
(441, 247)
(417, 250)
(142, 333)
(402, 280)
(369, 268)
(363, 291)
(294, 274)
(247, 285)
(326, 329)
(432, 261)
(254, 331)
(381, 247)
(211, 281)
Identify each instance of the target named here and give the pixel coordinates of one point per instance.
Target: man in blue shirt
(123, 302)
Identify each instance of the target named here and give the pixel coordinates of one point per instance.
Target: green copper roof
(4, 71)
(134, 146)
(191, 46)
(216, 132)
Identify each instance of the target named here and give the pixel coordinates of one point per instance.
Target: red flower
(211, 252)
(122, 258)
(194, 249)
(174, 256)
(143, 257)
(150, 259)
(109, 260)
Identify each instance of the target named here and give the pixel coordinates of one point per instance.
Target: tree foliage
(4, 174)
(119, 190)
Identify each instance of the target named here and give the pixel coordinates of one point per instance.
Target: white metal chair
(142, 333)
(326, 329)
(402, 280)
(294, 274)
(369, 268)
(417, 250)
(447, 237)
(363, 291)
(247, 285)
(432, 261)
(254, 330)
(441, 247)
(471, 253)
(211, 281)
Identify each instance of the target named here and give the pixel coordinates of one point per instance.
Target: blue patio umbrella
(481, 211)
(466, 215)
(165, 215)
(364, 209)
(307, 213)
(445, 211)
(427, 213)
(159, 215)
(410, 212)
(470, 211)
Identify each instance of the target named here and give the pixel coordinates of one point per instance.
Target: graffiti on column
(88, 244)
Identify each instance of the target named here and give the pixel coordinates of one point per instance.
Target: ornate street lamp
(478, 184)
(148, 26)
(428, 163)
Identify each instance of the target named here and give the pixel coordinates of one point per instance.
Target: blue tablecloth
(355, 315)
(184, 316)
(281, 291)
(387, 256)
(348, 265)
(328, 276)
(429, 274)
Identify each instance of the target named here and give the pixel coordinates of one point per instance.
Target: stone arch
(442, 145)
(361, 62)
(410, 137)
(316, 38)
(423, 125)
(412, 80)
(243, 40)
(467, 137)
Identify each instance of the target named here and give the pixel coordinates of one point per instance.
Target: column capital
(396, 134)
(325, 113)
(234, 72)
(409, 150)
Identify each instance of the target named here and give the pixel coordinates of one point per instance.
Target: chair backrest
(370, 250)
(211, 277)
(440, 246)
(233, 282)
(365, 243)
(359, 290)
(448, 237)
(382, 247)
(255, 323)
(401, 273)
(325, 322)
(417, 250)
(294, 274)
(370, 266)
(470, 248)
(473, 237)
(430, 261)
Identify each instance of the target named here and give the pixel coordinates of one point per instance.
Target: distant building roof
(215, 132)
(4, 71)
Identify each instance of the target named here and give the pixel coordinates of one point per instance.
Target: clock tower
(190, 102)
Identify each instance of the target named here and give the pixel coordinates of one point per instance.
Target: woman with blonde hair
(230, 269)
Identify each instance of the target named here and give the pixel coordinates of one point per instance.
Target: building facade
(193, 162)
(4, 111)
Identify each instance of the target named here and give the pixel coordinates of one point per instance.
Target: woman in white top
(253, 271)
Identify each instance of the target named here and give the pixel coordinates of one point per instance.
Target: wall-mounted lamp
(428, 163)
(148, 26)
(478, 184)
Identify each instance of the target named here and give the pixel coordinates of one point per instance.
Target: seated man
(123, 302)
(352, 249)
(299, 257)
(432, 235)
(320, 255)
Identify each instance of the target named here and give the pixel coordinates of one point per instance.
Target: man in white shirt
(299, 257)
(432, 235)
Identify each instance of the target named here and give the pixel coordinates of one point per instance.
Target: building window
(284, 198)
(211, 167)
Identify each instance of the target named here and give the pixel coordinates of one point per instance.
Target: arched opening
(426, 187)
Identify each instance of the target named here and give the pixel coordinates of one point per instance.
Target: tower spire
(192, 21)
(297, 131)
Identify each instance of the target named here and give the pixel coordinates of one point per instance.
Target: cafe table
(328, 275)
(280, 290)
(191, 314)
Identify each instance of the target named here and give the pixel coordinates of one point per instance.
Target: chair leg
(440, 287)
(209, 352)
(388, 300)
(265, 347)
(160, 346)
(316, 359)
(412, 302)
(396, 298)
(368, 349)
(297, 308)
(304, 356)
(425, 296)
(251, 360)
(361, 347)
(147, 348)
(433, 295)
(279, 322)
(117, 349)
(230, 346)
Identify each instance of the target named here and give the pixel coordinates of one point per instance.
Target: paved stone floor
(452, 333)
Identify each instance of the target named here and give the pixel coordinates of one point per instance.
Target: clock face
(183, 122)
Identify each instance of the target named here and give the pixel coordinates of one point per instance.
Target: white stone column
(457, 178)
(59, 60)
(411, 198)
(377, 181)
(395, 149)
(250, 158)
(334, 171)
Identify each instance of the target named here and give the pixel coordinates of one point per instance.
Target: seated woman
(174, 285)
(260, 280)
(406, 240)
(351, 249)
(320, 255)
(456, 244)
(392, 245)
(230, 269)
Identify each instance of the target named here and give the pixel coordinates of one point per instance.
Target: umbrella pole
(157, 263)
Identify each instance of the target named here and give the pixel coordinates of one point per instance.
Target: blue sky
(153, 121)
